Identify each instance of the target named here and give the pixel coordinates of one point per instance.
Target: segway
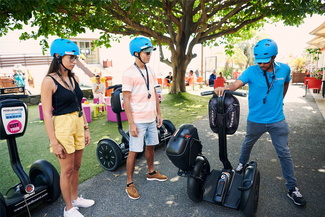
(43, 181)
(110, 155)
(237, 190)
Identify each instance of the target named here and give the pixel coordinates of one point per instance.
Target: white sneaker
(81, 202)
(73, 212)
(239, 168)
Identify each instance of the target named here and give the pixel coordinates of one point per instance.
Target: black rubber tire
(43, 173)
(196, 179)
(163, 136)
(3, 211)
(125, 141)
(109, 154)
(250, 208)
(169, 126)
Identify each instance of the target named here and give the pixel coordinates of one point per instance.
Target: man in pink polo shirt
(142, 108)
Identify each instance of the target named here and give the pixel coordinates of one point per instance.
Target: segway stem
(223, 154)
(15, 162)
(120, 126)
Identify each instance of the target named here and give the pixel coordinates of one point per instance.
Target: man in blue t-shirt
(268, 83)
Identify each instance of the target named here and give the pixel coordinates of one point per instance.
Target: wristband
(86, 125)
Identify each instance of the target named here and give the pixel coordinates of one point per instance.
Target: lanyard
(145, 81)
(269, 86)
(74, 93)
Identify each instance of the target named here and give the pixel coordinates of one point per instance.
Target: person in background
(142, 109)
(221, 77)
(268, 83)
(212, 77)
(98, 90)
(169, 77)
(68, 130)
(18, 76)
(190, 76)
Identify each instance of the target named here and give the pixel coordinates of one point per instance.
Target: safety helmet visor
(263, 60)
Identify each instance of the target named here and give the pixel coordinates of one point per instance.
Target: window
(87, 50)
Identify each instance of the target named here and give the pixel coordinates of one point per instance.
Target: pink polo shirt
(143, 109)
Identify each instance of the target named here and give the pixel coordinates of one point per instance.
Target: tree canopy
(177, 24)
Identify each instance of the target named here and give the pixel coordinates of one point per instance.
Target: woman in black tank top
(67, 130)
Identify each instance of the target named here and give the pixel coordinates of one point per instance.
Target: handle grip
(211, 92)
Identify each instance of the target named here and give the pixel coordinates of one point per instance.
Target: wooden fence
(25, 60)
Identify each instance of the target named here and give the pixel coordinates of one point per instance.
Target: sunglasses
(264, 63)
(73, 58)
(148, 53)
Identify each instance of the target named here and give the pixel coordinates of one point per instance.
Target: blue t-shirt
(272, 110)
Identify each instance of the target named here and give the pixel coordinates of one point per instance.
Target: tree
(177, 24)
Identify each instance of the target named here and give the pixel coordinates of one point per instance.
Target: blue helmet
(139, 44)
(264, 50)
(63, 47)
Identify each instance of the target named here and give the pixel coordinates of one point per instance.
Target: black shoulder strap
(55, 81)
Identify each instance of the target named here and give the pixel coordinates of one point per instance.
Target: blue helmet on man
(139, 44)
(264, 50)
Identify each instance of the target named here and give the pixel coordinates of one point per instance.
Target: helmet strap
(138, 56)
(59, 59)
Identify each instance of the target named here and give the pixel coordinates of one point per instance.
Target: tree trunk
(179, 71)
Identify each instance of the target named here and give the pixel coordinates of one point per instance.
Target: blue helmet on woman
(63, 47)
(264, 50)
(139, 44)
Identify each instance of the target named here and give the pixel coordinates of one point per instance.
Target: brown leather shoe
(132, 191)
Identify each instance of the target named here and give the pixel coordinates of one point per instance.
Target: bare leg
(75, 174)
(67, 165)
(150, 158)
(130, 163)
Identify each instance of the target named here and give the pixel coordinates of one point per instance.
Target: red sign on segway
(14, 126)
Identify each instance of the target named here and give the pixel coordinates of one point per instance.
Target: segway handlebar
(211, 92)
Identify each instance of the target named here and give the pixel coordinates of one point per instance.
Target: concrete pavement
(170, 198)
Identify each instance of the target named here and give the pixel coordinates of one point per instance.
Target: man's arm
(286, 87)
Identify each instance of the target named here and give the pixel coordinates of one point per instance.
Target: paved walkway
(170, 198)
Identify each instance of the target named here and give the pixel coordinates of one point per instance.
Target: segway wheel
(169, 126)
(109, 154)
(3, 211)
(250, 205)
(196, 179)
(166, 131)
(43, 173)
(126, 143)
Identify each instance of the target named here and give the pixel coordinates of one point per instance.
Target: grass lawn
(179, 108)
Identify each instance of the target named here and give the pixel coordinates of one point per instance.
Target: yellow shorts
(69, 131)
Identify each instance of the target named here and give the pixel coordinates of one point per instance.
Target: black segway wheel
(124, 140)
(109, 154)
(252, 201)
(196, 179)
(43, 173)
(250, 196)
(169, 126)
(166, 131)
(3, 211)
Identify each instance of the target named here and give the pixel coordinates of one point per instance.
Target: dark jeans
(279, 132)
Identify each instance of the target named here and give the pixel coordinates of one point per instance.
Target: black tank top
(63, 100)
